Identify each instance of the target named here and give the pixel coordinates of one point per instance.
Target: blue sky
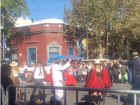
(45, 9)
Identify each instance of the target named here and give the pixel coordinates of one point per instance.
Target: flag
(82, 44)
(77, 44)
(4, 43)
(85, 41)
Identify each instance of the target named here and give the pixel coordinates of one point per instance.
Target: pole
(127, 47)
(87, 40)
(3, 38)
(87, 35)
(3, 48)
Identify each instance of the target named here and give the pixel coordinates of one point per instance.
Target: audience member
(6, 81)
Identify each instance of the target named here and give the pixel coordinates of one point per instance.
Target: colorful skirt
(70, 79)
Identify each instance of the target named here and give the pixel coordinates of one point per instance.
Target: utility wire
(46, 1)
(46, 10)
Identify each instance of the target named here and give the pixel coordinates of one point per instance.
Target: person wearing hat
(14, 76)
(57, 77)
(39, 76)
(135, 63)
(98, 78)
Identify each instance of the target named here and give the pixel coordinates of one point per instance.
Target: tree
(12, 9)
(114, 22)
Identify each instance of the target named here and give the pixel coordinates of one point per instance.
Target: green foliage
(124, 16)
(12, 9)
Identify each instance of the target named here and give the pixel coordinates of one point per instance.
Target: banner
(82, 44)
(4, 43)
(85, 43)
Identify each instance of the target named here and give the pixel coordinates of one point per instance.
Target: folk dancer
(51, 79)
(135, 63)
(57, 77)
(39, 79)
(15, 77)
(98, 78)
(70, 76)
(22, 70)
(30, 71)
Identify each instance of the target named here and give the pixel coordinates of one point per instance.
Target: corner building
(41, 41)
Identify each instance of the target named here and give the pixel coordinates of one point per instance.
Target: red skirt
(99, 83)
(70, 79)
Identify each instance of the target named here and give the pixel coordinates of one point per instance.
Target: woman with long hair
(98, 78)
(14, 76)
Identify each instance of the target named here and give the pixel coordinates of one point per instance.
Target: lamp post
(2, 27)
(127, 46)
(87, 34)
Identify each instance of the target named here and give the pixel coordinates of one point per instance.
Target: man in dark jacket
(135, 62)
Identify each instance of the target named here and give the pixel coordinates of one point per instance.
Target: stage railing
(75, 89)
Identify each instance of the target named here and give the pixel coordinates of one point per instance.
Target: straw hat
(97, 63)
(135, 53)
(39, 61)
(14, 63)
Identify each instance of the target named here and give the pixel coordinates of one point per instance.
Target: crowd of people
(95, 75)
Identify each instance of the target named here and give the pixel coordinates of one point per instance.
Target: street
(110, 99)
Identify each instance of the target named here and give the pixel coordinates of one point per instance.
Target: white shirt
(30, 68)
(22, 70)
(15, 73)
(89, 67)
(57, 71)
(47, 69)
(37, 74)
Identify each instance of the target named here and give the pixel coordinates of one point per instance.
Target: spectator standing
(111, 71)
(105, 66)
(79, 74)
(129, 71)
(115, 71)
(123, 69)
(75, 74)
(6, 81)
(84, 73)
